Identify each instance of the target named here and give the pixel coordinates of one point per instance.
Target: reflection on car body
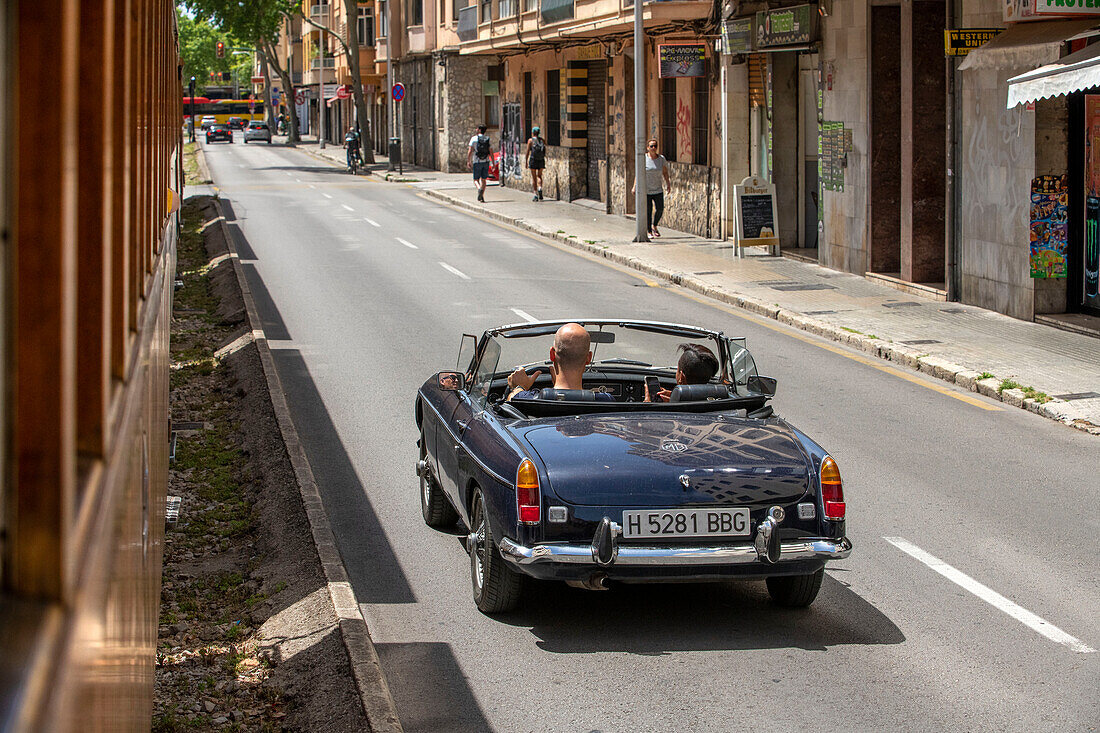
(708, 486)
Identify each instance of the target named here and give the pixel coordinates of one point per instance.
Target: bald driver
(569, 355)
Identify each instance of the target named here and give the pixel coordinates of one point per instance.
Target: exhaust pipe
(595, 581)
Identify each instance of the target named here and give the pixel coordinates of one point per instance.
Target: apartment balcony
(525, 24)
(320, 12)
(326, 63)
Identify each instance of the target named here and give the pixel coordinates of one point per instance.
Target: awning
(1028, 44)
(1080, 70)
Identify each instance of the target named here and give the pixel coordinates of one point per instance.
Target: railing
(318, 9)
(329, 63)
(467, 23)
(555, 10)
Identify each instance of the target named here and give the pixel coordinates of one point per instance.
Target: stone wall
(843, 243)
(463, 108)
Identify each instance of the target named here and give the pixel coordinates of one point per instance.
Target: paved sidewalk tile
(951, 341)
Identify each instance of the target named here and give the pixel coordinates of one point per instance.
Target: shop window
(553, 107)
(366, 26)
(701, 114)
(668, 118)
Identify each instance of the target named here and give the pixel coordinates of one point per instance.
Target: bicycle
(355, 161)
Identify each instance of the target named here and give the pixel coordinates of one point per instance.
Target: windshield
(634, 348)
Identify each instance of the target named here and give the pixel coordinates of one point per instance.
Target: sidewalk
(1048, 371)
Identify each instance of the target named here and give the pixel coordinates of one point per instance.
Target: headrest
(567, 395)
(698, 392)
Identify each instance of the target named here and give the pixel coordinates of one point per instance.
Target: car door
(450, 438)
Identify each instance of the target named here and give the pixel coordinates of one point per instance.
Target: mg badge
(673, 446)
(685, 480)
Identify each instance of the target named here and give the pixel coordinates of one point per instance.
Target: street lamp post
(191, 88)
(640, 201)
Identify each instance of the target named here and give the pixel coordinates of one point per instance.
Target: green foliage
(985, 375)
(198, 52)
(1008, 384)
(1040, 397)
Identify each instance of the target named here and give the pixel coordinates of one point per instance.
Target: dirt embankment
(248, 636)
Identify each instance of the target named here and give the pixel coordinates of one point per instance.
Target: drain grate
(709, 272)
(921, 342)
(952, 310)
(803, 286)
(1078, 396)
(903, 304)
(819, 313)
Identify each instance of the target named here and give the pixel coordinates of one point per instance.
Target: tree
(350, 48)
(198, 42)
(259, 21)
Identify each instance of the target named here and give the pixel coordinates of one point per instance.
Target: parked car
(707, 486)
(235, 123)
(257, 130)
(219, 131)
(207, 121)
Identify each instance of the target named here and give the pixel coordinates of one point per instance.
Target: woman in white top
(656, 168)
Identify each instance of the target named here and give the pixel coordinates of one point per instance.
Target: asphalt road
(365, 289)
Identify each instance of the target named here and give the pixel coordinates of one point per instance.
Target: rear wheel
(497, 588)
(437, 511)
(795, 591)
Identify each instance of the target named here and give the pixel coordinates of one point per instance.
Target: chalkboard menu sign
(755, 211)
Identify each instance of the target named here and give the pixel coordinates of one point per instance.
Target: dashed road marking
(410, 245)
(326, 195)
(454, 271)
(991, 596)
(524, 315)
(372, 222)
(347, 207)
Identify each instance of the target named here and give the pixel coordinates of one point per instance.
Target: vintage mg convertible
(706, 486)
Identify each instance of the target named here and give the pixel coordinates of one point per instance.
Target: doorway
(597, 125)
(809, 139)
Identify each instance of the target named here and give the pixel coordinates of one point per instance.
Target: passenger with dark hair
(697, 365)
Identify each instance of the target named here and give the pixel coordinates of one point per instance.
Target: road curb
(363, 171)
(374, 693)
(200, 158)
(885, 350)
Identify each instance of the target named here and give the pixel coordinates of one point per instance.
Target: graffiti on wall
(683, 131)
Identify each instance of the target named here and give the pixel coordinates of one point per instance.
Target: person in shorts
(536, 161)
(477, 157)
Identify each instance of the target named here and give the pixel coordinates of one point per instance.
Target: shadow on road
(430, 689)
(660, 619)
(333, 170)
(375, 573)
(270, 318)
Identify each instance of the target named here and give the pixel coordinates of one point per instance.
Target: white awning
(1080, 70)
(1028, 44)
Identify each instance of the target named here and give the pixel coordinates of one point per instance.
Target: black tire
(434, 505)
(795, 591)
(497, 588)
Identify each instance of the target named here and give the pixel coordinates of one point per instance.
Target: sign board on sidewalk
(961, 41)
(682, 59)
(398, 91)
(754, 212)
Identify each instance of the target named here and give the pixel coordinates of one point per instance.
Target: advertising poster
(1091, 269)
(1049, 231)
(786, 27)
(682, 59)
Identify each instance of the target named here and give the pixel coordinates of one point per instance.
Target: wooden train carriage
(85, 303)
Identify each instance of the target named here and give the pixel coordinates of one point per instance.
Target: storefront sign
(1066, 7)
(786, 26)
(682, 59)
(1049, 233)
(737, 35)
(590, 53)
(755, 212)
(836, 143)
(961, 41)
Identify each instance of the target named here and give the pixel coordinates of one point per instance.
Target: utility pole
(191, 88)
(640, 201)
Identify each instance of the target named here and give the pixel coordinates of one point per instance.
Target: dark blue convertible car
(709, 485)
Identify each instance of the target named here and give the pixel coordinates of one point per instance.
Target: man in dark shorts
(536, 161)
(569, 356)
(477, 157)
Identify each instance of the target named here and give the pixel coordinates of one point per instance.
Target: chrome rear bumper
(675, 555)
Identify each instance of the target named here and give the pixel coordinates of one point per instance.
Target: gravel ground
(248, 638)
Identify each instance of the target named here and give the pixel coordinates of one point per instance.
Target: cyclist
(351, 142)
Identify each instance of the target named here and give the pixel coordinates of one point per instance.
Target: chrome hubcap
(477, 553)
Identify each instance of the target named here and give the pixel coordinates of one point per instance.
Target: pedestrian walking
(477, 157)
(536, 161)
(656, 168)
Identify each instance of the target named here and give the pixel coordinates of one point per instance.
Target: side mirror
(762, 385)
(451, 381)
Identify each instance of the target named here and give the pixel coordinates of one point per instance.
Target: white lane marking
(347, 207)
(312, 186)
(991, 596)
(524, 315)
(450, 269)
(372, 222)
(410, 245)
(326, 195)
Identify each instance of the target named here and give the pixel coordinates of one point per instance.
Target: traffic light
(221, 49)
(226, 76)
(212, 75)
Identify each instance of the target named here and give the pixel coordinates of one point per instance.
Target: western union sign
(962, 41)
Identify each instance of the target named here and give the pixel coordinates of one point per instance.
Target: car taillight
(527, 492)
(832, 490)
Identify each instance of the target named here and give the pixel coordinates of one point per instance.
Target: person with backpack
(536, 161)
(477, 157)
(351, 142)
